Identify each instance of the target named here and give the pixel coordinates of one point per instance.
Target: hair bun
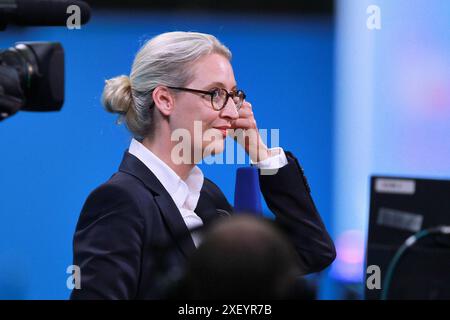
(117, 96)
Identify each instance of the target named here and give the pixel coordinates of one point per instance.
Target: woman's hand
(248, 137)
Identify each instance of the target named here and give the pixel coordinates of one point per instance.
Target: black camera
(31, 78)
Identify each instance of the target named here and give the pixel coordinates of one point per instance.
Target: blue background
(391, 114)
(51, 161)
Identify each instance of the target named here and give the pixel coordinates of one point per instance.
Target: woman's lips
(223, 130)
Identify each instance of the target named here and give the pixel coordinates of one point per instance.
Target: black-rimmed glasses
(219, 96)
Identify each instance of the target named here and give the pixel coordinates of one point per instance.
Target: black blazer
(128, 240)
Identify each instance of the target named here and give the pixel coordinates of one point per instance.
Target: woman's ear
(163, 99)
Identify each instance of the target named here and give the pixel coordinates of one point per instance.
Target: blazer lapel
(206, 208)
(169, 211)
(176, 224)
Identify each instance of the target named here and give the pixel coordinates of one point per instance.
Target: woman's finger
(245, 113)
(244, 123)
(246, 104)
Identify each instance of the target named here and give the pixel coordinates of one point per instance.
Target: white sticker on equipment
(399, 186)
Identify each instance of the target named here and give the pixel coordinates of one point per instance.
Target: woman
(129, 241)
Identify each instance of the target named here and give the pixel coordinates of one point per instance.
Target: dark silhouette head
(241, 257)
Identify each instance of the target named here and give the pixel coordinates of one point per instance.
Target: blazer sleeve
(287, 195)
(107, 245)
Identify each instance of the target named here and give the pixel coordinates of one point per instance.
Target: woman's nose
(230, 111)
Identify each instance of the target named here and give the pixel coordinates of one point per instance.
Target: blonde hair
(163, 60)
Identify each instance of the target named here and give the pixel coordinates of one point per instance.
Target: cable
(409, 242)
